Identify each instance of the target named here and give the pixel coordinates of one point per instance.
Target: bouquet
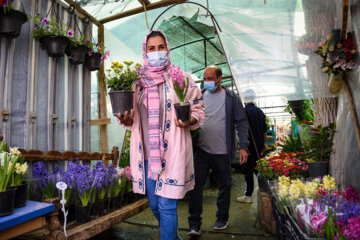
(338, 56)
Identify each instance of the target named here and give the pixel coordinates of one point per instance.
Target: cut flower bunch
(338, 56)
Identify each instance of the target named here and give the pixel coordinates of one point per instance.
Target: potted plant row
(91, 192)
(12, 187)
(11, 20)
(58, 39)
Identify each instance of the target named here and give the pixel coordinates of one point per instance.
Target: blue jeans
(164, 209)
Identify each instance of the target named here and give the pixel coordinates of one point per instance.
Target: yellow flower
(310, 189)
(296, 189)
(325, 69)
(329, 182)
(15, 151)
(353, 51)
(339, 45)
(328, 37)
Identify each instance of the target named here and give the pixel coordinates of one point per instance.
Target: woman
(161, 156)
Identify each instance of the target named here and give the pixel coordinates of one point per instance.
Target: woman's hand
(182, 124)
(126, 120)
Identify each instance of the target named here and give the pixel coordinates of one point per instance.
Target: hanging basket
(77, 54)
(55, 45)
(93, 61)
(335, 83)
(182, 111)
(11, 23)
(121, 101)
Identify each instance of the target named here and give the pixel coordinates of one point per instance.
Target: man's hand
(243, 156)
(126, 119)
(182, 124)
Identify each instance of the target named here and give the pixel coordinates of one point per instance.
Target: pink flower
(317, 221)
(177, 76)
(128, 172)
(107, 53)
(70, 33)
(3, 2)
(44, 20)
(351, 194)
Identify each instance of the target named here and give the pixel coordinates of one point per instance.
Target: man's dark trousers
(249, 171)
(221, 168)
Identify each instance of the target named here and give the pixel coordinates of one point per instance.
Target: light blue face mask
(210, 86)
(157, 59)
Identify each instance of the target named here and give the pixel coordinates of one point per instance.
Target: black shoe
(220, 224)
(194, 231)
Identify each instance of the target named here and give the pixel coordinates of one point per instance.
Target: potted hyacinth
(95, 56)
(111, 174)
(119, 186)
(11, 20)
(53, 37)
(181, 87)
(84, 185)
(7, 166)
(120, 80)
(100, 176)
(17, 179)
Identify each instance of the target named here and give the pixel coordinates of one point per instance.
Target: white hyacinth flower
(15, 151)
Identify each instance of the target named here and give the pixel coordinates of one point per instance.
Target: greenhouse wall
(45, 102)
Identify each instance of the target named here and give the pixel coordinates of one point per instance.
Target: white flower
(2, 158)
(120, 171)
(21, 168)
(15, 151)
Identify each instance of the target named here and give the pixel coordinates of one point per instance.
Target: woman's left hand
(182, 124)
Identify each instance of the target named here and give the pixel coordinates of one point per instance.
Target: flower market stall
(59, 57)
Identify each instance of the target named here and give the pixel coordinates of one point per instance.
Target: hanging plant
(338, 57)
(11, 20)
(95, 56)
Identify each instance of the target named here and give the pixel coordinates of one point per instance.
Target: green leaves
(120, 78)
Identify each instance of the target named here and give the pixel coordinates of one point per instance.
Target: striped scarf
(150, 78)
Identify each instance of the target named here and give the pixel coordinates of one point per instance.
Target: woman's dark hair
(156, 34)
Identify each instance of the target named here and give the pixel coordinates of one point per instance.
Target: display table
(25, 219)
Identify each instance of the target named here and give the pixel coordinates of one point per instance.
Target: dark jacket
(257, 122)
(235, 118)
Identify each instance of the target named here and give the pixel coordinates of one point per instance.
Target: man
(216, 148)
(258, 128)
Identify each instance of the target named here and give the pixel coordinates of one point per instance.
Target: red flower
(3, 2)
(349, 42)
(306, 122)
(314, 131)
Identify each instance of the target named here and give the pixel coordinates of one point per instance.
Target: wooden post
(102, 97)
(115, 155)
(346, 85)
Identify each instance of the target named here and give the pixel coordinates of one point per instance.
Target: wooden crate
(265, 212)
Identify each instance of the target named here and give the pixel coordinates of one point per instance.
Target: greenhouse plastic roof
(259, 41)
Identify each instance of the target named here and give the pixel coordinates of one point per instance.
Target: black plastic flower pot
(101, 207)
(7, 200)
(83, 213)
(20, 196)
(125, 200)
(77, 54)
(121, 101)
(318, 169)
(93, 61)
(11, 23)
(182, 111)
(55, 45)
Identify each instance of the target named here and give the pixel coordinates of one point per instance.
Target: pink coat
(177, 176)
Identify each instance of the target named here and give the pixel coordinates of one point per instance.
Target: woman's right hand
(126, 119)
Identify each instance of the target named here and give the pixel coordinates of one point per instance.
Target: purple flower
(44, 20)
(39, 171)
(349, 210)
(36, 26)
(70, 33)
(100, 175)
(87, 42)
(83, 178)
